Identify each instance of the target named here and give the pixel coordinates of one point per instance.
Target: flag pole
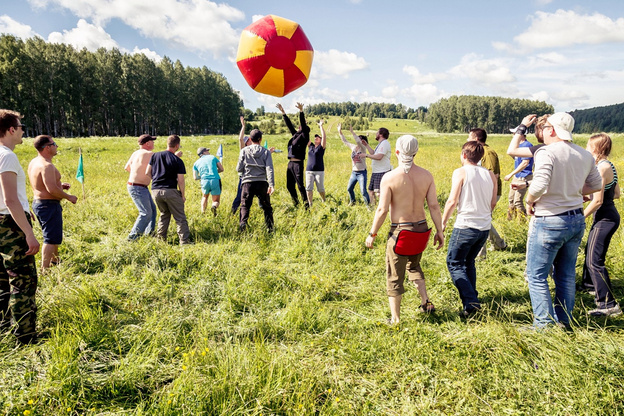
(80, 173)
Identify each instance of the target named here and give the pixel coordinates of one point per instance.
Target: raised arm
(241, 135)
(323, 135)
(289, 125)
(514, 150)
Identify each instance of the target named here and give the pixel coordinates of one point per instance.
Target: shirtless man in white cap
(404, 191)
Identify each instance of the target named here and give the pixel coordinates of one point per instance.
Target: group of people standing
(556, 176)
(564, 176)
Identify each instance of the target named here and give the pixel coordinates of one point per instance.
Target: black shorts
(375, 182)
(49, 213)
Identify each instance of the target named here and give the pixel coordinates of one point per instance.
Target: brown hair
(42, 141)
(539, 126)
(480, 134)
(601, 145)
(8, 119)
(255, 135)
(384, 132)
(473, 151)
(173, 141)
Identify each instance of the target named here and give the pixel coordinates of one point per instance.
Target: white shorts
(317, 177)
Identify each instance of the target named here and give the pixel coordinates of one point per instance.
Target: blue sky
(567, 53)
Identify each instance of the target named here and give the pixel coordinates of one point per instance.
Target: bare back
(408, 193)
(137, 165)
(42, 176)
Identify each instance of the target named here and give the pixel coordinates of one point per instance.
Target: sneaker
(614, 311)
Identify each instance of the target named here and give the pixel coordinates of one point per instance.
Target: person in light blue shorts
(207, 168)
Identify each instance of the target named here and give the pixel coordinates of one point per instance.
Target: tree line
(494, 114)
(366, 110)
(67, 92)
(609, 118)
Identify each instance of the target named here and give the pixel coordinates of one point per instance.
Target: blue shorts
(49, 213)
(211, 186)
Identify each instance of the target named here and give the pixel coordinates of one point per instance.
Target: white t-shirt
(10, 163)
(474, 209)
(383, 165)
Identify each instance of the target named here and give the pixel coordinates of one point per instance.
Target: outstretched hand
(339, 128)
(242, 119)
(279, 107)
(299, 107)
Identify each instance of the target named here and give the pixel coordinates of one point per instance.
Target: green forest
(65, 92)
(609, 118)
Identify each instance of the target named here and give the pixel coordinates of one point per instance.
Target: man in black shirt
(167, 171)
(297, 147)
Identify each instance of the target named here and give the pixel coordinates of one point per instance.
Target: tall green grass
(293, 322)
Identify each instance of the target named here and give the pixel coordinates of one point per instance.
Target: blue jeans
(358, 176)
(553, 240)
(463, 248)
(146, 221)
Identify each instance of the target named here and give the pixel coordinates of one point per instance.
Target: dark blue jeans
(358, 176)
(463, 248)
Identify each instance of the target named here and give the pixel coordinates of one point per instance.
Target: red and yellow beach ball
(274, 56)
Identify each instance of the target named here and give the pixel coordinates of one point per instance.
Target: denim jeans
(358, 176)
(146, 221)
(463, 248)
(553, 241)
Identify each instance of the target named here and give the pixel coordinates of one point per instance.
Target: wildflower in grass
(168, 401)
(69, 409)
(205, 339)
(26, 412)
(177, 348)
(203, 353)
(337, 399)
(206, 349)
(183, 367)
(329, 391)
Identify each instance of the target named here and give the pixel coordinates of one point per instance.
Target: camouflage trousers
(18, 281)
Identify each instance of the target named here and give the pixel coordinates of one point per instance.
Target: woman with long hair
(606, 222)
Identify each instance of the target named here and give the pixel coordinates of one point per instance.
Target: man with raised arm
(564, 172)
(297, 146)
(403, 192)
(315, 169)
(380, 162)
(358, 164)
(18, 244)
(48, 191)
(138, 188)
(168, 188)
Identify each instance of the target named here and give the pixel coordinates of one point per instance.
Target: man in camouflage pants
(18, 245)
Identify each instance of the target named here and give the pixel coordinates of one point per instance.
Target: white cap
(407, 146)
(563, 123)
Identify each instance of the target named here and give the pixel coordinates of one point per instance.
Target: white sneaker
(614, 311)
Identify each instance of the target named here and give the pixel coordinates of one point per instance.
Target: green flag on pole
(266, 144)
(80, 170)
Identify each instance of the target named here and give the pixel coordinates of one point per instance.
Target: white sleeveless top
(474, 209)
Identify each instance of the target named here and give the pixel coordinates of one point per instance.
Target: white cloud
(543, 2)
(198, 25)
(565, 28)
(149, 53)
(424, 94)
(13, 27)
(391, 91)
(547, 59)
(355, 1)
(482, 71)
(418, 78)
(334, 63)
(84, 35)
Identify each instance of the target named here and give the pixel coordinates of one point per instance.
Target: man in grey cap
(564, 172)
(138, 188)
(404, 191)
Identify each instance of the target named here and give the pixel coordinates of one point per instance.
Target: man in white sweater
(564, 172)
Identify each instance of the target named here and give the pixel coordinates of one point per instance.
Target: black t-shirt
(534, 148)
(165, 169)
(315, 159)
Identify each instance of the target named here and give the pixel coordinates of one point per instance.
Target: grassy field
(291, 323)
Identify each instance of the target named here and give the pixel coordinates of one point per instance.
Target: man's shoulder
(8, 160)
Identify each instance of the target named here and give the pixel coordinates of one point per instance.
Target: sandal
(427, 307)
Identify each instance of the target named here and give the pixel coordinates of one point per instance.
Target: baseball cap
(201, 150)
(563, 123)
(144, 138)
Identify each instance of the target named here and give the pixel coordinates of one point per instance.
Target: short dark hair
(42, 141)
(480, 134)
(384, 132)
(364, 138)
(255, 135)
(173, 141)
(8, 119)
(473, 151)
